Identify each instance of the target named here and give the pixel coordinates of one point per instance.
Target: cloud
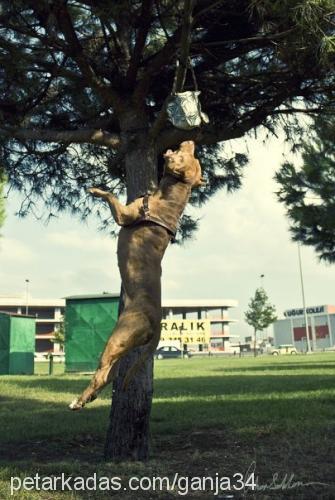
(242, 235)
(83, 280)
(14, 250)
(80, 241)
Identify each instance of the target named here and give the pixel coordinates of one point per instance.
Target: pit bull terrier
(147, 225)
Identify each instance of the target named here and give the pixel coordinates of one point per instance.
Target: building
(211, 333)
(47, 312)
(321, 327)
(201, 324)
(17, 344)
(89, 321)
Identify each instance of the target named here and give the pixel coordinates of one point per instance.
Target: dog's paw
(75, 405)
(97, 192)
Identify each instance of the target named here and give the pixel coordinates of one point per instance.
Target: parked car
(41, 356)
(170, 351)
(284, 349)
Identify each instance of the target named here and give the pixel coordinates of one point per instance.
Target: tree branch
(263, 39)
(91, 136)
(212, 135)
(307, 111)
(76, 51)
(185, 42)
(161, 58)
(142, 34)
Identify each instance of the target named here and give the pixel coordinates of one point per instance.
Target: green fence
(17, 344)
(89, 321)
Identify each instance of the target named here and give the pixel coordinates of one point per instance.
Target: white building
(214, 312)
(48, 314)
(201, 324)
(321, 327)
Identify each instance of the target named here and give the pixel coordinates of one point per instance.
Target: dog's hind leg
(147, 353)
(132, 330)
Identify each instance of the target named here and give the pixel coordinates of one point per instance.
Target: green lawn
(210, 416)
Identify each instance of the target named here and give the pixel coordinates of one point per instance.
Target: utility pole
(303, 301)
(262, 276)
(27, 288)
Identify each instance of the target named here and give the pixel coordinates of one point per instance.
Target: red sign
(321, 332)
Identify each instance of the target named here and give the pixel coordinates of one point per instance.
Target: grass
(210, 416)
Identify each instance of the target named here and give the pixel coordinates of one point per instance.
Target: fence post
(51, 364)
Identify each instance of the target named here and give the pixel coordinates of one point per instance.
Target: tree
(2, 203)
(308, 192)
(59, 334)
(260, 314)
(84, 88)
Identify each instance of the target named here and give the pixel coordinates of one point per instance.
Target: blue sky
(241, 236)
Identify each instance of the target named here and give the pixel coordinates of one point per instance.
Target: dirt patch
(285, 469)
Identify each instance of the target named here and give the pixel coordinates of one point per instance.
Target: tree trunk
(255, 333)
(128, 433)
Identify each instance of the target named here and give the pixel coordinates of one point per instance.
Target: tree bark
(128, 432)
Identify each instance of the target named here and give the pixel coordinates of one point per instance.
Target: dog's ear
(168, 153)
(198, 179)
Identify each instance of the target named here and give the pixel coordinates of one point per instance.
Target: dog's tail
(148, 351)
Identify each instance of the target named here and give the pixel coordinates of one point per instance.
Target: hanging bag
(184, 109)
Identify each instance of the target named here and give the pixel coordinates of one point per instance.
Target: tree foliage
(2, 200)
(261, 313)
(70, 69)
(308, 192)
(59, 334)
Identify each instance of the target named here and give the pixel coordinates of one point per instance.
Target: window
(43, 328)
(8, 309)
(42, 312)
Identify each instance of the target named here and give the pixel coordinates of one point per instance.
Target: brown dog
(148, 224)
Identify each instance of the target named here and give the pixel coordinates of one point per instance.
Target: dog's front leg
(122, 214)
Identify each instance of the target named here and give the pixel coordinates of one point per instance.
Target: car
(284, 349)
(41, 356)
(170, 351)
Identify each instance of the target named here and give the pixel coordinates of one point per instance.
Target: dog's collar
(147, 217)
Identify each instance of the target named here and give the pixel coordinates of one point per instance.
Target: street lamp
(303, 301)
(261, 277)
(27, 288)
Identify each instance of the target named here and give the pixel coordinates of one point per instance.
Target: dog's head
(182, 164)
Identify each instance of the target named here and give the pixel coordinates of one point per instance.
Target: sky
(241, 236)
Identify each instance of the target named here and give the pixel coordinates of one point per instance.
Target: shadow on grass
(179, 403)
(279, 367)
(200, 423)
(219, 421)
(41, 431)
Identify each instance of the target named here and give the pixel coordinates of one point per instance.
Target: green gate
(17, 344)
(89, 321)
